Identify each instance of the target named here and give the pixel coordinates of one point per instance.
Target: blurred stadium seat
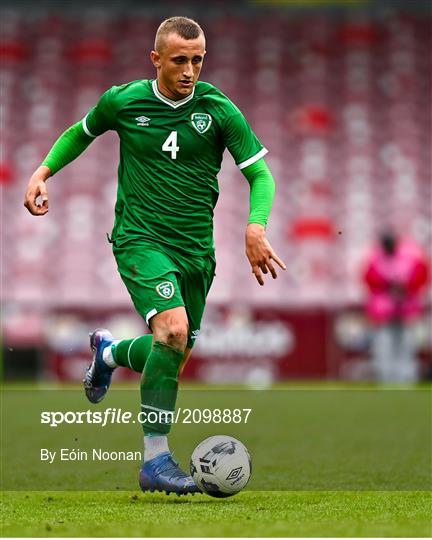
(341, 103)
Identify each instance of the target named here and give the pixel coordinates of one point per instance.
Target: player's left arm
(258, 249)
(248, 153)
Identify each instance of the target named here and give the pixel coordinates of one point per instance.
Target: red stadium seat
(343, 107)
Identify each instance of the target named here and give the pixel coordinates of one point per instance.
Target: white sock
(107, 355)
(154, 445)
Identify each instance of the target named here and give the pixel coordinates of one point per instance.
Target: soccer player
(173, 131)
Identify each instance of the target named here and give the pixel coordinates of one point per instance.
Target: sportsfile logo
(142, 120)
(150, 415)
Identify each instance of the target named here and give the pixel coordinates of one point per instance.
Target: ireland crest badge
(201, 122)
(165, 289)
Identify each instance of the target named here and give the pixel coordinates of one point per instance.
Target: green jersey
(170, 155)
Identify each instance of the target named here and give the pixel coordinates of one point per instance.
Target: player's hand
(36, 197)
(260, 253)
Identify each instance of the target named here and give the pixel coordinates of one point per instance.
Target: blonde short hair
(182, 26)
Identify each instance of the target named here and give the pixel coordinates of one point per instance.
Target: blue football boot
(162, 473)
(98, 375)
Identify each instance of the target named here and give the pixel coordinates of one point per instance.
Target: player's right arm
(68, 147)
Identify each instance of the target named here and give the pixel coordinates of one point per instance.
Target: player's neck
(169, 94)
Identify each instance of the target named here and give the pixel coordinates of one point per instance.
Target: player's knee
(175, 335)
(171, 327)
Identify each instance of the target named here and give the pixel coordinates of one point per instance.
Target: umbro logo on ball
(234, 473)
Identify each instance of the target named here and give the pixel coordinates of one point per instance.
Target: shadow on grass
(156, 498)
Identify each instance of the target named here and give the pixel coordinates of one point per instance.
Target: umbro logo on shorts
(142, 120)
(165, 289)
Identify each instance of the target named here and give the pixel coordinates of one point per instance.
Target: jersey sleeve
(101, 118)
(240, 140)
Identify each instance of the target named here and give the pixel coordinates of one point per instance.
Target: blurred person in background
(396, 274)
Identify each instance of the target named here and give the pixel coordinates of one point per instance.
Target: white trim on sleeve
(85, 128)
(252, 159)
(149, 315)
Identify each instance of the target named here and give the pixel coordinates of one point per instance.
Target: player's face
(178, 65)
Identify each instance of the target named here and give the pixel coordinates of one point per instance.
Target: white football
(221, 466)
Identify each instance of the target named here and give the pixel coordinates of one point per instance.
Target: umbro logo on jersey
(142, 121)
(201, 121)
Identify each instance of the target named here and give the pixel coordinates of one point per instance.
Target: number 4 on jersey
(170, 145)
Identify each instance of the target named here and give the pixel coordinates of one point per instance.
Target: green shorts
(158, 279)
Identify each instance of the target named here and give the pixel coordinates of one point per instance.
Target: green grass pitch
(247, 514)
(327, 461)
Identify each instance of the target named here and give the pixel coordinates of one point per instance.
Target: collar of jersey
(168, 101)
